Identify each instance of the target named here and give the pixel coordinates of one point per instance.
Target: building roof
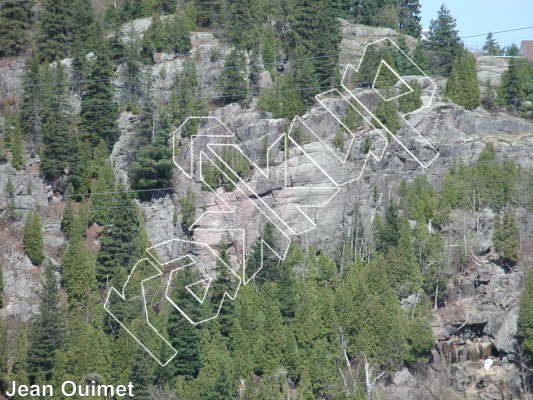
(527, 49)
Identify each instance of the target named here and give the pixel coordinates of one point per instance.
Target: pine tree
(56, 136)
(506, 238)
(132, 87)
(444, 41)
(102, 203)
(140, 375)
(55, 31)
(121, 242)
(513, 90)
(462, 86)
(186, 99)
(232, 85)
(388, 233)
(47, 331)
(33, 238)
(304, 76)
(99, 112)
(283, 99)
(512, 51)
(409, 16)
(15, 21)
(491, 46)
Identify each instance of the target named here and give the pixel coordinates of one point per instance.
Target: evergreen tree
(132, 88)
(83, 27)
(121, 242)
(30, 107)
(488, 98)
(444, 41)
(317, 29)
(185, 98)
(491, 46)
(99, 112)
(506, 238)
(56, 137)
(47, 331)
(140, 375)
(388, 233)
(33, 238)
(515, 84)
(412, 101)
(232, 85)
(185, 337)
(512, 51)
(387, 114)
(18, 158)
(409, 17)
(55, 31)
(188, 212)
(243, 16)
(15, 21)
(283, 99)
(525, 319)
(259, 253)
(304, 76)
(462, 86)
(153, 166)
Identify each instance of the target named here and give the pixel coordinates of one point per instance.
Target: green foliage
(462, 86)
(188, 211)
(387, 114)
(304, 76)
(232, 84)
(388, 232)
(516, 85)
(444, 42)
(56, 137)
(491, 46)
(47, 333)
(15, 21)
(525, 319)
(55, 32)
(99, 112)
(33, 238)
(412, 101)
(31, 99)
(488, 97)
(283, 99)
(422, 202)
(215, 175)
(506, 238)
(102, 204)
(512, 50)
(241, 22)
(153, 165)
(18, 157)
(1, 286)
(121, 242)
(367, 71)
(171, 35)
(409, 17)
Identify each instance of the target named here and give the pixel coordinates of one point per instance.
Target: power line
(507, 30)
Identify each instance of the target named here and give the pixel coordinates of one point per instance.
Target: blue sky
(481, 16)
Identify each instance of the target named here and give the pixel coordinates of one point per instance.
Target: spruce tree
(304, 76)
(15, 21)
(409, 17)
(132, 82)
(102, 202)
(30, 107)
(462, 86)
(140, 374)
(387, 113)
(488, 98)
(56, 137)
(282, 100)
(185, 98)
(99, 112)
(18, 158)
(412, 101)
(243, 16)
(33, 238)
(491, 46)
(121, 241)
(444, 41)
(512, 50)
(47, 331)
(514, 88)
(55, 32)
(232, 84)
(388, 232)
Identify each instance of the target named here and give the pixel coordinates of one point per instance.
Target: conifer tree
(260, 253)
(514, 88)
(506, 238)
(47, 331)
(33, 238)
(283, 99)
(462, 86)
(132, 88)
(56, 137)
(185, 337)
(488, 98)
(30, 106)
(68, 217)
(412, 101)
(525, 319)
(444, 41)
(55, 31)
(304, 76)
(185, 99)
(83, 27)
(491, 46)
(243, 16)
(387, 114)
(99, 112)
(188, 211)
(232, 84)
(512, 50)
(15, 21)
(18, 158)
(388, 232)
(121, 242)
(102, 204)
(409, 17)
(140, 374)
